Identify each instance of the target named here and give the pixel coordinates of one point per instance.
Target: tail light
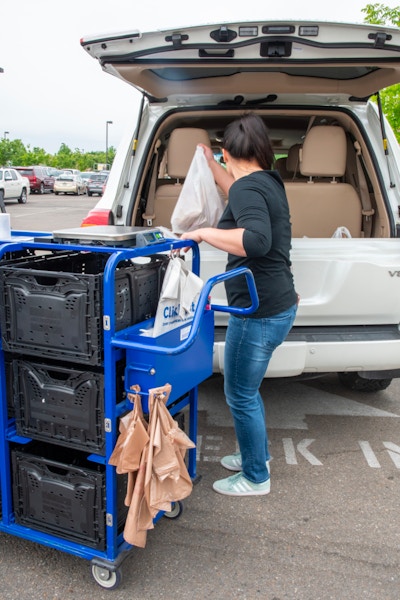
(98, 216)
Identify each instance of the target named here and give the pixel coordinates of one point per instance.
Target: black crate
(51, 306)
(61, 405)
(62, 493)
(9, 386)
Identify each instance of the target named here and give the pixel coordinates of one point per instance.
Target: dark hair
(247, 138)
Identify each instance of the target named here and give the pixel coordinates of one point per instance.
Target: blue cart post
(183, 361)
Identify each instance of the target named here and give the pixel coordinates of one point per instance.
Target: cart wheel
(176, 510)
(106, 578)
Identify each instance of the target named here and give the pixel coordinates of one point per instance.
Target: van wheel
(23, 197)
(353, 381)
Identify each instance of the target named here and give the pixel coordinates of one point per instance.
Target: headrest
(181, 148)
(292, 161)
(324, 152)
(280, 166)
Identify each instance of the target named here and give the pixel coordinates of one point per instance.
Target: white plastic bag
(342, 232)
(199, 203)
(178, 299)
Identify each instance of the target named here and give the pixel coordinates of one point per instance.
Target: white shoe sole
(243, 493)
(237, 469)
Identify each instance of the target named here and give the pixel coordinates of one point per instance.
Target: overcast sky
(52, 92)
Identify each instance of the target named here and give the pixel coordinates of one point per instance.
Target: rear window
(25, 172)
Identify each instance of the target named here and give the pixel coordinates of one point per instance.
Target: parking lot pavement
(327, 531)
(48, 212)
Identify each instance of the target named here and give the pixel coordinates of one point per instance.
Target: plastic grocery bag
(178, 299)
(199, 203)
(342, 232)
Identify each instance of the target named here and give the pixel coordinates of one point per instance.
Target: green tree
(12, 152)
(379, 14)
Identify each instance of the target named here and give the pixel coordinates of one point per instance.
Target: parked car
(96, 184)
(88, 175)
(13, 186)
(73, 171)
(341, 159)
(68, 183)
(39, 179)
(53, 172)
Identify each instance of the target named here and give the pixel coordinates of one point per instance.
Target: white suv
(312, 83)
(13, 186)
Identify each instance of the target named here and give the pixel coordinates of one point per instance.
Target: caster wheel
(106, 578)
(175, 512)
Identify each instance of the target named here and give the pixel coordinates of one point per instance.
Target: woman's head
(247, 138)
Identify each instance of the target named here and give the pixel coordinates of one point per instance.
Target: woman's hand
(208, 153)
(229, 240)
(195, 235)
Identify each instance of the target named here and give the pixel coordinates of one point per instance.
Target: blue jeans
(248, 348)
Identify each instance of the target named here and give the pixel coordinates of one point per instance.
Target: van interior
(323, 160)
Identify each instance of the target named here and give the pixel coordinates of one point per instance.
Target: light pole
(107, 124)
(5, 135)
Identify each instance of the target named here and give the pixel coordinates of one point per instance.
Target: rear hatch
(189, 65)
(342, 283)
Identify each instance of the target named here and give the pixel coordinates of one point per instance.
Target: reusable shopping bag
(199, 203)
(178, 298)
(161, 476)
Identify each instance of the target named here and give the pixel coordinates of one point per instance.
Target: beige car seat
(322, 203)
(179, 154)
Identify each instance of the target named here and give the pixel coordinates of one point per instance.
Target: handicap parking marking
(291, 412)
(289, 409)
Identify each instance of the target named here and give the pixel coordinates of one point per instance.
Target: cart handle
(198, 314)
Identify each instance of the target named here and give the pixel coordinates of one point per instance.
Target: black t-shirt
(258, 203)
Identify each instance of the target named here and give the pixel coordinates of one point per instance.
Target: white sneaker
(233, 462)
(238, 485)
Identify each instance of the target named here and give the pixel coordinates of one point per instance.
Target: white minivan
(316, 85)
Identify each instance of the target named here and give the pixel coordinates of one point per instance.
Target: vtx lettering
(394, 273)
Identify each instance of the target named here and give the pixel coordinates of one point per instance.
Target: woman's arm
(221, 177)
(228, 240)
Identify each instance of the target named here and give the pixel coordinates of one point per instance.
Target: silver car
(68, 183)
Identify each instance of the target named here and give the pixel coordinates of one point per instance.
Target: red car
(39, 179)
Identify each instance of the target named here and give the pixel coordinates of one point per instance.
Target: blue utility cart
(71, 348)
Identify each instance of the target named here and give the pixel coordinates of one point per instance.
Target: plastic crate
(9, 386)
(62, 494)
(51, 306)
(61, 405)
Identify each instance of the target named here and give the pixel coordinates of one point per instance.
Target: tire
(23, 197)
(56, 193)
(176, 510)
(106, 578)
(2, 205)
(353, 381)
(41, 189)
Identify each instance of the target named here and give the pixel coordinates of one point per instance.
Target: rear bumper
(316, 350)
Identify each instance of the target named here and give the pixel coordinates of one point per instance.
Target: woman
(255, 232)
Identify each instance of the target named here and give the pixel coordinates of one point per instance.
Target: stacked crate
(51, 319)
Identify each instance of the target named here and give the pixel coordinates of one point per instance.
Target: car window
(13, 175)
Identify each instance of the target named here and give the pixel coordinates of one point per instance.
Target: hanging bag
(179, 295)
(199, 203)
